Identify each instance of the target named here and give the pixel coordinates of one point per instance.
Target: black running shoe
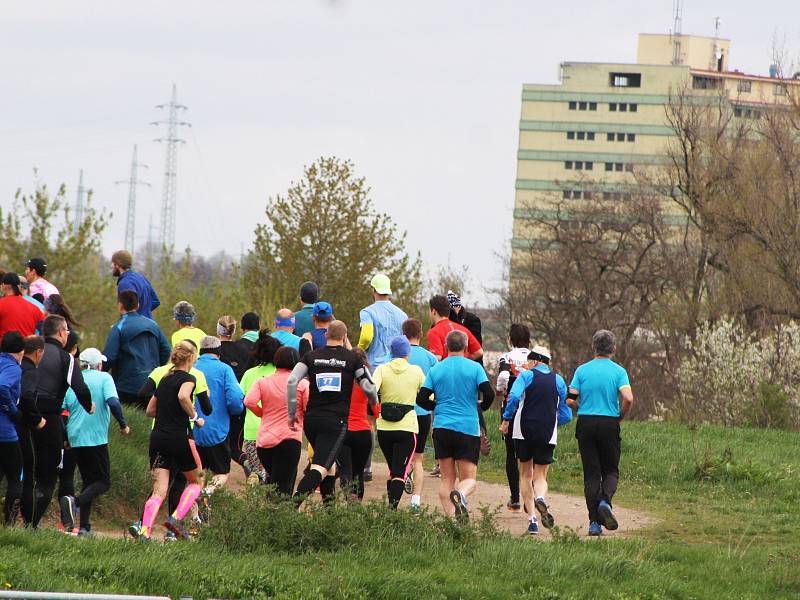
(607, 515)
(68, 509)
(408, 484)
(544, 513)
(460, 502)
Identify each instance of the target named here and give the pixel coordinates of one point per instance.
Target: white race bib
(329, 382)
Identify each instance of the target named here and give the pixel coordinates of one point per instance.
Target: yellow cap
(381, 284)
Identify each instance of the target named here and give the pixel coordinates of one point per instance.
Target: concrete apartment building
(582, 139)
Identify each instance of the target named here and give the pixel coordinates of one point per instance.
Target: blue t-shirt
(455, 382)
(84, 429)
(598, 382)
(287, 339)
(424, 360)
(387, 322)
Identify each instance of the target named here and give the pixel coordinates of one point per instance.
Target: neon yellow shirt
(398, 382)
(201, 386)
(188, 333)
(252, 422)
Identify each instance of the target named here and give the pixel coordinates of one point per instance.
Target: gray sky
(423, 96)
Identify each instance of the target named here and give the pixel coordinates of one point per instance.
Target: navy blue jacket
(135, 346)
(10, 376)
(148, 299)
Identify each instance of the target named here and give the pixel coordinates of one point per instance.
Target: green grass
(727, 502)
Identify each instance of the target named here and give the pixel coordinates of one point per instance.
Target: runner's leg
(11, 466)
(526, 486)
(447, 484)
(94, 465)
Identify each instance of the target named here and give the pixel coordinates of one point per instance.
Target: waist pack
(393, 411)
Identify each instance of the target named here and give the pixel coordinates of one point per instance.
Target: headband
(284, 322)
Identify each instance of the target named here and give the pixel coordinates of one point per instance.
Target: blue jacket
(226, 400)
(148, 299)
(10, 376)
(135, 346)
(525, 379)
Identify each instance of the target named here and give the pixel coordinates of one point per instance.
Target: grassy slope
(727, 531)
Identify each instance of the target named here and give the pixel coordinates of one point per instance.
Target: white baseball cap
(92, 356)
(541, 351)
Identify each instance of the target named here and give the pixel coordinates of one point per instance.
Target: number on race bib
(329, 382)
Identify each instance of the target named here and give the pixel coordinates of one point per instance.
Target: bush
(731, 377)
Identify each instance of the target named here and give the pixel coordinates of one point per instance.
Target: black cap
(251, 321)
(12, 342)
(37, 264)
(309, 292)
(11, 279)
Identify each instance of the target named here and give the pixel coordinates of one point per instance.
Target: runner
(357, 444)
(172, 406)
(284, 326)
(263, 357)
(455, 383)
(184, 316)
(601, 391)
(420, 357)
(226, 400)
(16, 313)
(381, 321)
(309, 296)
(12, 348)
(442, 325)
(134, 347)
(56, 372)
(322, 317)
(331, 371)
(398, 383)
(88, 439)
(128, 279)
(459, 314)
(509, 366)
(55, 305)
(31, 420)
(278, 446)
(35, 269)
(534, 406)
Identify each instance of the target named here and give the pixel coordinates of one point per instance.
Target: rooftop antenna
(133, 182)
(716, 50)
(170, 184)
(677, 54)
(79, 204)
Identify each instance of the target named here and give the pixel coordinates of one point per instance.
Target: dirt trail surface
(569, 511)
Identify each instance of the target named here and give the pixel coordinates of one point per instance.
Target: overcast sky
(422, 95)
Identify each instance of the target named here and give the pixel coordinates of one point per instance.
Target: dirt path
(569, 511)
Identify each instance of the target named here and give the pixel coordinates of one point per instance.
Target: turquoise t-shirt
(455, 382)
(84, 429)
(287, 339)
(424, 360)
(387, 322)
(598, 382)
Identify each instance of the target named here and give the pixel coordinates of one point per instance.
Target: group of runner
(251, 398)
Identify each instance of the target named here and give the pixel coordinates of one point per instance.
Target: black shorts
(326, 435)
(424, 422)
(217, 458)
(454, 444)
(171, 453)
(540, 453)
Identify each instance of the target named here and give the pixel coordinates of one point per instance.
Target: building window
(618, 166)
(623, 107)
(629, 167)
(581, 135)
(633, 107)
(631, 137)
(620, 137)
(587, 195)
(579, 165)
(568, 164)
(588, 165)
(573, 105)
(625, 79)
(566, 195)
(570, 135)
(590, 135)
(744, 86)
(609, 166)
(612, 107)
(592, 105)
(606, 195)
(780, 89)
(706, 83)
(609, 137)
(737, 112)
(582, 105)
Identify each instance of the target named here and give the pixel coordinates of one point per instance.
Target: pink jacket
(267, 399)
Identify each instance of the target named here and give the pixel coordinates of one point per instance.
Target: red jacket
(17, 314)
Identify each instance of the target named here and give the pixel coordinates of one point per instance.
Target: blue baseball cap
(400, 347)
(323, 310)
